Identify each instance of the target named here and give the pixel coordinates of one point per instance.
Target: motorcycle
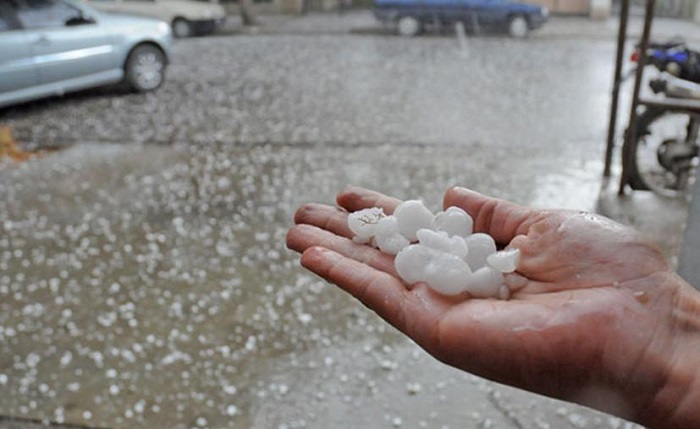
(664, 146)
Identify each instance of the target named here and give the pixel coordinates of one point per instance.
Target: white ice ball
(440, 241)
(363, 222)
(387, 226)
(387, 236)
(486, 282)
(454, 221)
(480, 247)
(412, 215)
(449, 258)
(411, 261)
(447, 274)
(505, 261)
(392, 243)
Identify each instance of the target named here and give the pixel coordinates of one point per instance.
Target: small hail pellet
(440, 249)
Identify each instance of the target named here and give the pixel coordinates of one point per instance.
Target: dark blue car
(411, 16)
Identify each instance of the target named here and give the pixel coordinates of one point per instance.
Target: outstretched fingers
(335, 219)
(332, 219)
(302, 237)
(326, 226)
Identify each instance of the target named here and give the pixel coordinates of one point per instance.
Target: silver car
(50, 47)
(186, 17)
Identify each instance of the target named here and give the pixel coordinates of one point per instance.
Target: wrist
(677, 402)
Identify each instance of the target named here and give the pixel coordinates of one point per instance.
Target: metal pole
(641, 62)
(617, 81)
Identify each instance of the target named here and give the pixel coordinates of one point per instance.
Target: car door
(17, 68)
(466, 12)
(492, 13)
(66, 44)
(147, 8)
(448, 11)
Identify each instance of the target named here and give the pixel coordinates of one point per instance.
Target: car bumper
(537, 21)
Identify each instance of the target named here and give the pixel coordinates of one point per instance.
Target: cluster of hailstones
(440, 250)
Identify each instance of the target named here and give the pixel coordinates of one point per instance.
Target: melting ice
(438, 249)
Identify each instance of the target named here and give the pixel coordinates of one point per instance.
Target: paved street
(144, 280)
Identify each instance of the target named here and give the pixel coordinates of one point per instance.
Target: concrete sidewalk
(662, 220)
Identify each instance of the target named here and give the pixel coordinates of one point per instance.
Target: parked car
(50, 47)
(411, 16)
(187, 17)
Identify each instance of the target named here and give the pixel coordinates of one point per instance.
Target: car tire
(518, 27)
(145, 68)
(181, 28)
(408, 26)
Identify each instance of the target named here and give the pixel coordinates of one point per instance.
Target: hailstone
(448, 256)
(388, 238)
(440, 241)
(485, 283)
(505, 261)
(480, 247)
(411, 216)
(411, 261)
(363, 223)
(447, 274)
(453, 221)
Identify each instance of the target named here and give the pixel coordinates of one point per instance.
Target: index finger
(355, 198)
(501, 219)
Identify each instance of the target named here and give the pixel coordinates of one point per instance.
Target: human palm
(590, 309)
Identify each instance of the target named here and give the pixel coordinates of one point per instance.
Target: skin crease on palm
(596, 315)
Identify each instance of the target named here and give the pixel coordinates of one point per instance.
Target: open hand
(591, 317)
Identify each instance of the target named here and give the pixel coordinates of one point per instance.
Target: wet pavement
(144, 280)
(149, 287)
(346, 90)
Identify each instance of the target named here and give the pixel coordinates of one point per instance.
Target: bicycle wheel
(665, 152)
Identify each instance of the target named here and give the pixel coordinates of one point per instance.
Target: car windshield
(150, 170)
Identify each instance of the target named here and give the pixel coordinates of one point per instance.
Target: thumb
(501, 219)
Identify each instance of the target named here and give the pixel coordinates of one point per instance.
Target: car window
(45, 13)
(7, 17)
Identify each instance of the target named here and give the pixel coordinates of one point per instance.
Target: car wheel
(145, 68)
(181, 28)
(518, 27)
(408, 26)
